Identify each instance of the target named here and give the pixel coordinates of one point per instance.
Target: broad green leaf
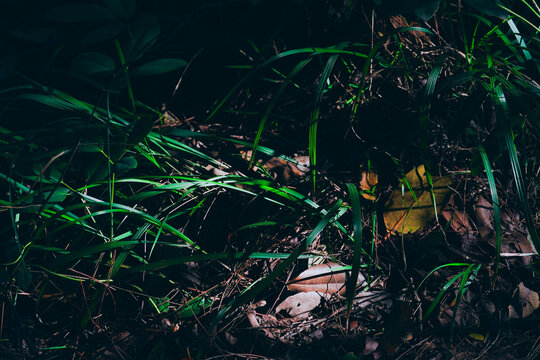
(105, 32)
(78, 12)
(141, 129)
(159, 66)
(427, 10)
(84, 148)
(39, 35)
(487, 7)
(93, 63)
(122, 9)
(405, 215)
(125, 164)
(23, 277)
(57, 196)
(146, 30)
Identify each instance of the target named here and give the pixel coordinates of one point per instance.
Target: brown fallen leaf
(321, 278)
(405, 215)
(458, 220)
(528, 300)
(484, 217)
(514, 238)
(370, 346)
(367, 183)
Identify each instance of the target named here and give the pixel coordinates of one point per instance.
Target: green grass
(103, 206)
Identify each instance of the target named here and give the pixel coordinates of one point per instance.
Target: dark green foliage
(119, 213)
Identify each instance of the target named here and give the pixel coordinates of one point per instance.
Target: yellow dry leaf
(367, 182)
(405, 215)
(476, 336)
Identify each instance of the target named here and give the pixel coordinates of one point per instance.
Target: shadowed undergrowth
(160, 196)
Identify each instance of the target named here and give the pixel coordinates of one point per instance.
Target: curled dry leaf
(367, 183)
(321, 278)
(371, 346)
(514, 238)
(528, 300)
(405, 215)
(299, 305)
(458, 220)
(484, 217)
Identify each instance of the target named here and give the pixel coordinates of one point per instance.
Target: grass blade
(496, 205)
(500, 100)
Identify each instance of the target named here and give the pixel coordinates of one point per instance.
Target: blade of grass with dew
(357, 248)
(496, 205)
(519, 39)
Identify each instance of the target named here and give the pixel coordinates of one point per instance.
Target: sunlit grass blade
(314, 116)
(149, 218)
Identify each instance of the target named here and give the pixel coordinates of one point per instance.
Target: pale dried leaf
(303, 165)
(484, 217)
(529, 301)
(320, 278)
(299, 305)
(371, 346)
(230, 339)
